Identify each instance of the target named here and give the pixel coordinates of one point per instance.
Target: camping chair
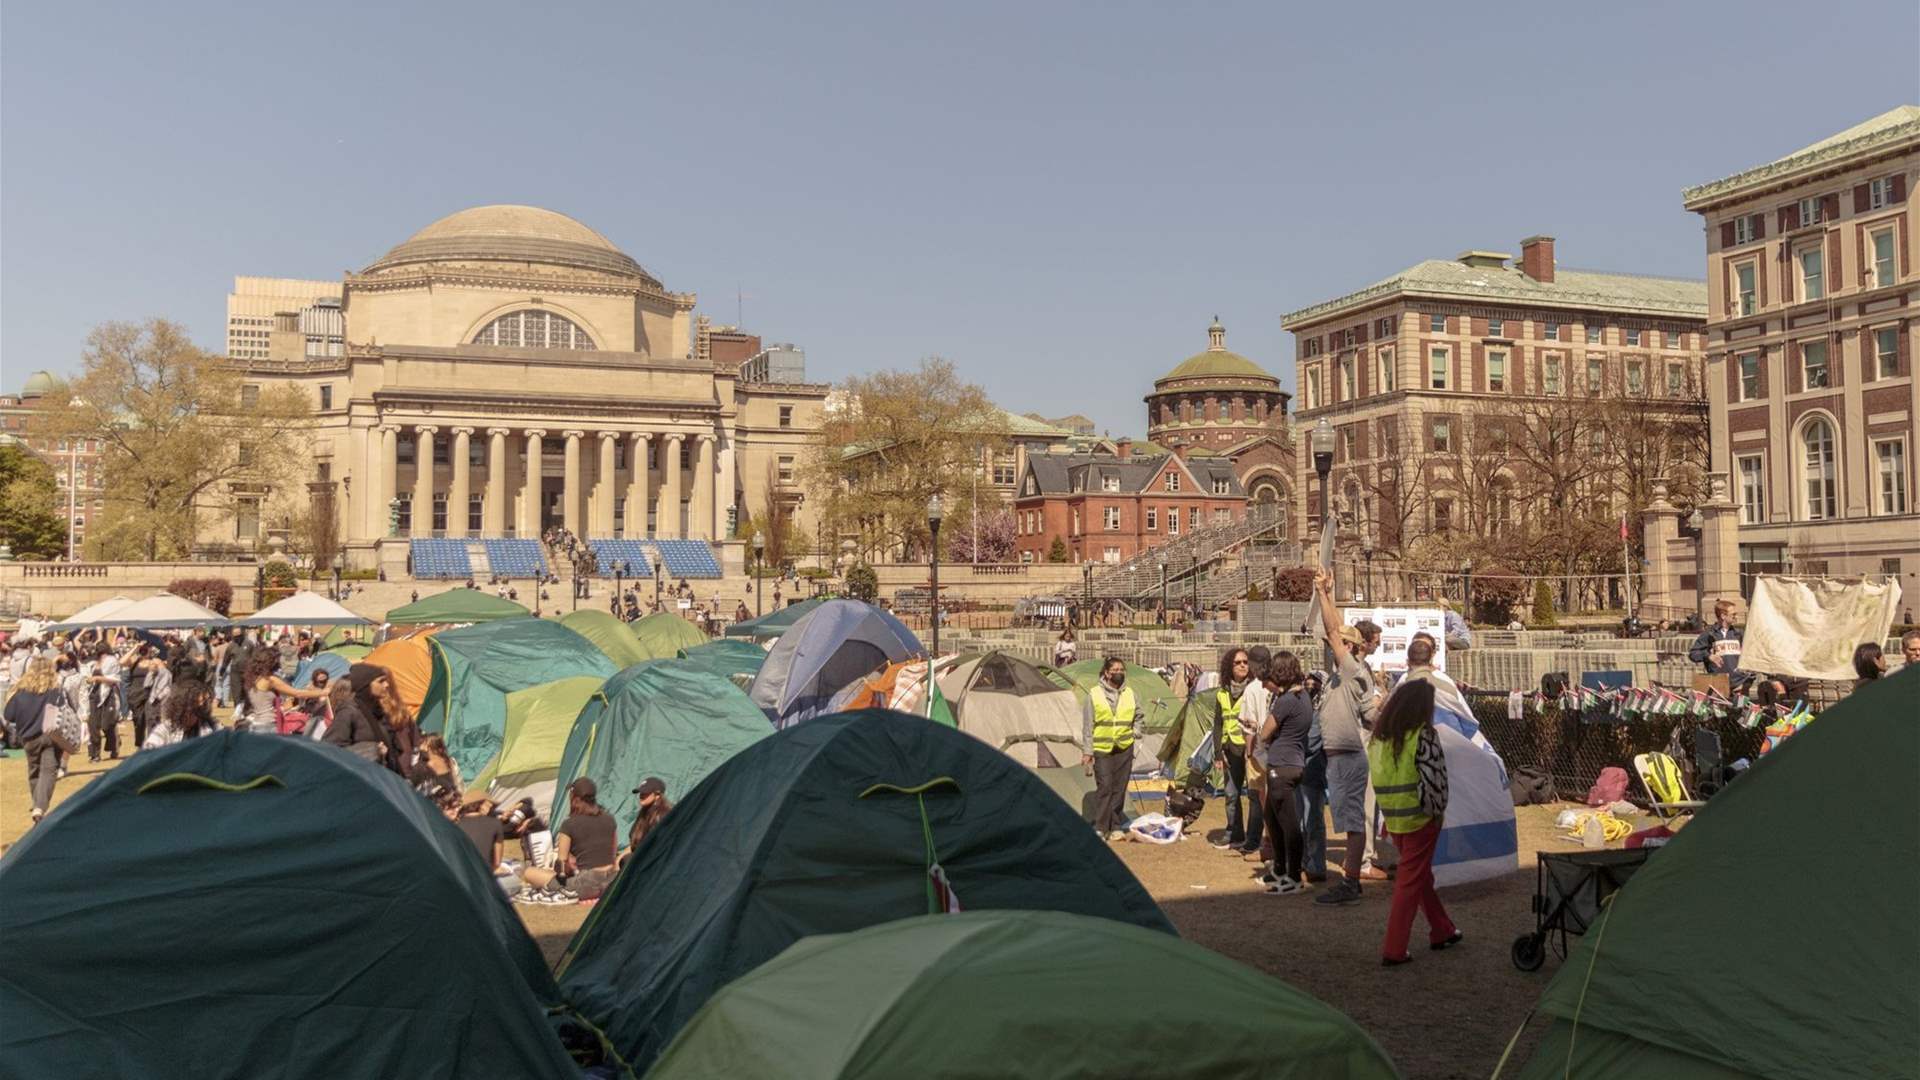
(1666, 788)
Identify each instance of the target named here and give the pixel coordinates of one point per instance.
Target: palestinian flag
(938, 710)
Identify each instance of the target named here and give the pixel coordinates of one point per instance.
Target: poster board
(1397, 627)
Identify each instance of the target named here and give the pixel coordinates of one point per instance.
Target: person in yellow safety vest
(1395, 761)
(1110, 723)
(1237, 704)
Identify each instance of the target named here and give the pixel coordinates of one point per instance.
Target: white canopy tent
(304, 609)
(91, 615)
(163, 611)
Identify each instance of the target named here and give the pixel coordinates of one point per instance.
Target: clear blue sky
(1057, 197)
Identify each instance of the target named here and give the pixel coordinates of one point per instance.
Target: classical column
(373, 502)
(669, 518)
(637, 495)
(423, 479)
(493, 519)
(530, 494)
(459, 492)
(605, 490)
(570, 489)
(700, 516)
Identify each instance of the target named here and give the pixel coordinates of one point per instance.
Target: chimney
(1123, 447)
(1179, 448)
(1536, 258)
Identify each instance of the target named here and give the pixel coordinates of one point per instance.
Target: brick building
(1107, 508)
(1813, 299)
(76, 464)
(1219, 402)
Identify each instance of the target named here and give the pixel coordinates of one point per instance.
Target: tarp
(457, 606)
(331, 662)
(725, 658)
(663, 634)
(820, 829)
(942, 995)
(254, 906)
(165, 611)
(833, 645)
(660, 718)
(608, 634)
(774, 623)
(476, 667)
(92, 615)
(303, 609)
(1774, 935)
(1808, 628)
(539, 719)
(409, 662)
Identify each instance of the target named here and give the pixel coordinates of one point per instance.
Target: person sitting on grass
(583, 853)
(653, 808)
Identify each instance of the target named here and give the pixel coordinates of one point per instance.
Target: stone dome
(39, 384)
(1217, 363)
(513, 234)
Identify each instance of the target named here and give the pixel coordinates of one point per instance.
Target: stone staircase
(1223, 558)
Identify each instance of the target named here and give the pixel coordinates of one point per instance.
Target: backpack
(1531, 786)
(1610, 788)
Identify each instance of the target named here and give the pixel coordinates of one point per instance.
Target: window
(476, 508)
(1673, 339)
(1890, 567)
(1074, 528)
(249, 396)
(1813, 365)
(1822, 498)
(1810, 211)
(246, 520)
(686, 455)
(403, 514)
(441, 451)
(1636, 377)
(1496, 370)
(1442, 436)
(1153, 519)
(1437, 324)
(1496, 327)
(1004, 468)
(1173, 521)
(1880, 193)
(1633, 337)
(1743, 229)
(1812, 274)
(1595, 334)
(1383, 328)
(1193, 517)
(1386, 371)
(1743, 283)
(245, 454)
(1886, 348)
(1111, 517)
(1347, 444)
(1439, 377)
(403, 450)
(786, 416)
(1596, 375)
(1442, 515)
(1676, 379)
(1222, 516)
(1749, 376)
(1552, 331)
(784, 473)
(533, 330)
(440, 512)
(1883, 258)
(326, 396)
(1346, 379)
(1172, 480)
(1109, 483)
(1221, 486)
(1112, 554)
(1753, 489)
(1553, 383)
(1890, 462)
(1312, 386)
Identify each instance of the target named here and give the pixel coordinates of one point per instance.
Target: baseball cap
(584, 787)
(652, 785)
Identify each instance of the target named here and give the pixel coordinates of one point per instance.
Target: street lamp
(656, 585)
(339, 563)
(1086, 594)
(619, 574)
(1367, 554)
(1466, 590)
(1163, 590)
(1322, 443)
(934, 513)
(759, 546)
(1699, 522)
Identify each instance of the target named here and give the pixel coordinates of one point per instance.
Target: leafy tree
(863, 583)
(994, 530)
(1057, 551)
(183, 435)
(1543, 605)
(1295, 583)
(317, 531)
(31, 518)
(1494, 595)
(215, 594)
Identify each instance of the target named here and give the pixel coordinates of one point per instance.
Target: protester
(103, 708)
(653, 809)
(1254, 703)
(1346, 713)
(476, 819)
(1459, 634)
(1409, 773)
(1281, 745)
(1109, 724)
(583, 852)
(34, 705)
(1717, 649)
(1910, 647)
(187, 714)
(374, 695)
(264, 689)
(351, 728)
(1310, 798)
(1065, 650)
(433, 765)
(1868, 663)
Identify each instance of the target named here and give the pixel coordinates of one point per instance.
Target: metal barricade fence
(1572, 748)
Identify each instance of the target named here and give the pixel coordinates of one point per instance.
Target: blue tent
(332, 663)
(831, 646)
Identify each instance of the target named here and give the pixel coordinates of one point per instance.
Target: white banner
(1808, 629)
(1397, 627)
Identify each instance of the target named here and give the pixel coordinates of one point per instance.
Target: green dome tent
(457, 606)
(963, 996)
(476, 667)
(725, 657)
(259, 906)
(352, 650)
(539, 719)
(1774, 935)
(774, 623)
(663, 634)
(608, 634)
(1159, 705)
(826, 827)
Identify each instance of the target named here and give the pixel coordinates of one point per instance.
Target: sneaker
(36, 816)
(1223, 845)
(1389, 961)
(1285, 886)
(1345, 892)
(1252, 855)
(60, 774)
(1372, 873)
(1117, 834)
(1456, 939)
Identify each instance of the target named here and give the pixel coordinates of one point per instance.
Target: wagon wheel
(1529, 952)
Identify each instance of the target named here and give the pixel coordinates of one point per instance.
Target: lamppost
(1163, 590)
(259, 586)
(759, 546)
(1699, 522)
(619, 574)
(656, 585)
(576, 585)
(1466, 590)
(1367, 554)
(339, 563)
(1086, 594)
(934, 513)
(1322, 442)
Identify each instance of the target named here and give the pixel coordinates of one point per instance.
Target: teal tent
(1774, 936)
(658, 718)
(476, 667)
(664, 633)
(1159, 705)
(774, 623)
(457, 606)
(725, 657)
(240, 905)
(826, 827)
(1007, 994)
(608, 634)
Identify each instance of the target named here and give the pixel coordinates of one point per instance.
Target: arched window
(1816, 439)
(533, 330)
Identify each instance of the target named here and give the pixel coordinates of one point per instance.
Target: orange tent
(410, 662)
(900, 685)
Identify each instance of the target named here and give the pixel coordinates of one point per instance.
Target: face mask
(1117, 680)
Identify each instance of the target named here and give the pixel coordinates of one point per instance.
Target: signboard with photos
(1397, 627)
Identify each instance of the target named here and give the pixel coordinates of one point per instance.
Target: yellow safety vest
(1396, 783)
(1230, 719)
(1112, 728)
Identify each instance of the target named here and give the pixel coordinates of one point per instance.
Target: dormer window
(1109, 483)
(1173, 481)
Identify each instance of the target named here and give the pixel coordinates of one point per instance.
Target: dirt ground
(1464, 1003)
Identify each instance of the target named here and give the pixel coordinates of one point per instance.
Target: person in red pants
(1403, 757)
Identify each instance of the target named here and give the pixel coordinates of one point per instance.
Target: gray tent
(1007, 702)
(830, 647)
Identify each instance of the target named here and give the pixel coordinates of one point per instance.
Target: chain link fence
(1572, 747)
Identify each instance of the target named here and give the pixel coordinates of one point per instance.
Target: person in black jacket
(351, 727)
(1717, 649)
(37, 693)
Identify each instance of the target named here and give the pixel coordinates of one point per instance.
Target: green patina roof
(1216, 364)
(1889, 127)
(1585, 289)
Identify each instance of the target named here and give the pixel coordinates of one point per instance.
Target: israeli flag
(1478, 837)
(1450, 709)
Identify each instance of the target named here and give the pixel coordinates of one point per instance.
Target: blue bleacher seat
(516, 558)
(440, 559)
(631, 552)
(687, 558)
